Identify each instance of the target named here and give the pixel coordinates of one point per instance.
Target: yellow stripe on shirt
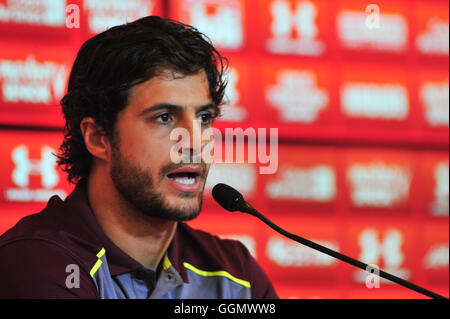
(166, 262)
(221, 273)
(98, 263)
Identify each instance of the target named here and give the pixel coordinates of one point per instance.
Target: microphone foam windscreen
(226, 196)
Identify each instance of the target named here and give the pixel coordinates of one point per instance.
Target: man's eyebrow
(176, 108)
(209, 106)
(161, 106)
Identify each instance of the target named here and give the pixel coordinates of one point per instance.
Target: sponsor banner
(375, 103)
(289, 259)
(432, 37)
(378, 27)
(374, 95)
(100, 15)
(435, 184)
(388, 245)
(35, 18)
(297, 100)
(295, 27)
(306, 178)
(223, 21)
(379, 180)
(32, 82)
(30, 174)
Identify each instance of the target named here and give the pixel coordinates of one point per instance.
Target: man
(120, 234)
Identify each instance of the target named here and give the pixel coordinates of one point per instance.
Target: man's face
(141, 167)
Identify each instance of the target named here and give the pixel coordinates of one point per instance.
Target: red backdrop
(361, 103)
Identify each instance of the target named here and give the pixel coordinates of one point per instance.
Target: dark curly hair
(109, 64)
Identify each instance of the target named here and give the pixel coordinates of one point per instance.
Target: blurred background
(358, 90)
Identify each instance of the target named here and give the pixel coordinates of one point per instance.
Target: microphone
(232, 200)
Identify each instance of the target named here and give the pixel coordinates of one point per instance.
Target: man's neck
(143, 238)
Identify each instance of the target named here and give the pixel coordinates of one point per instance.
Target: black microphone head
(227, 196)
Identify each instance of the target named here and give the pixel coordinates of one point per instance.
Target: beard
(136, 186)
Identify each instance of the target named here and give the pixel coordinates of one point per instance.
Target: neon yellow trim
(166, 262)
(101, 253)
(222, 273)
(98, 263)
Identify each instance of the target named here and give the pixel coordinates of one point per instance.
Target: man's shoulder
(49, 231)
(38, 268)
(209, 255)
(37, 251)
(35, 225)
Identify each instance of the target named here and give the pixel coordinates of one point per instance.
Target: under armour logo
(302, 19)
(390, 248)
(24, 167)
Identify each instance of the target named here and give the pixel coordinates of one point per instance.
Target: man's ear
(95, 138)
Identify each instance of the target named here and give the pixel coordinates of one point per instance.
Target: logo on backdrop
(390, 34)
(389, 248)
(31, 81)
(302, 20)
(317, 183)
(45, 167)
(378, 184)
(221, 21)
(298, 97)
(104, 14)
(375, 101)
(35, 13)
(286, 253)
(24, 167)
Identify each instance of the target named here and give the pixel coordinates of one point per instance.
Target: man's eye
(206, 118)
(164, 118)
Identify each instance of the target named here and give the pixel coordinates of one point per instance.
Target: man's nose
(192, 147)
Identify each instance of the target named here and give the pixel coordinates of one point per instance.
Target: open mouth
(186, 179)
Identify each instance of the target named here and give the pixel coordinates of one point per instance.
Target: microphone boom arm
(244, 207)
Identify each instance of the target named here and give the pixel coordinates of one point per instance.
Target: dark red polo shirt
(62, 252)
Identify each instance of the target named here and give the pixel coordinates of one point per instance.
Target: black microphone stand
(244, 207)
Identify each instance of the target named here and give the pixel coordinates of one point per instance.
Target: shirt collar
(119, 262)
(174, 253)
